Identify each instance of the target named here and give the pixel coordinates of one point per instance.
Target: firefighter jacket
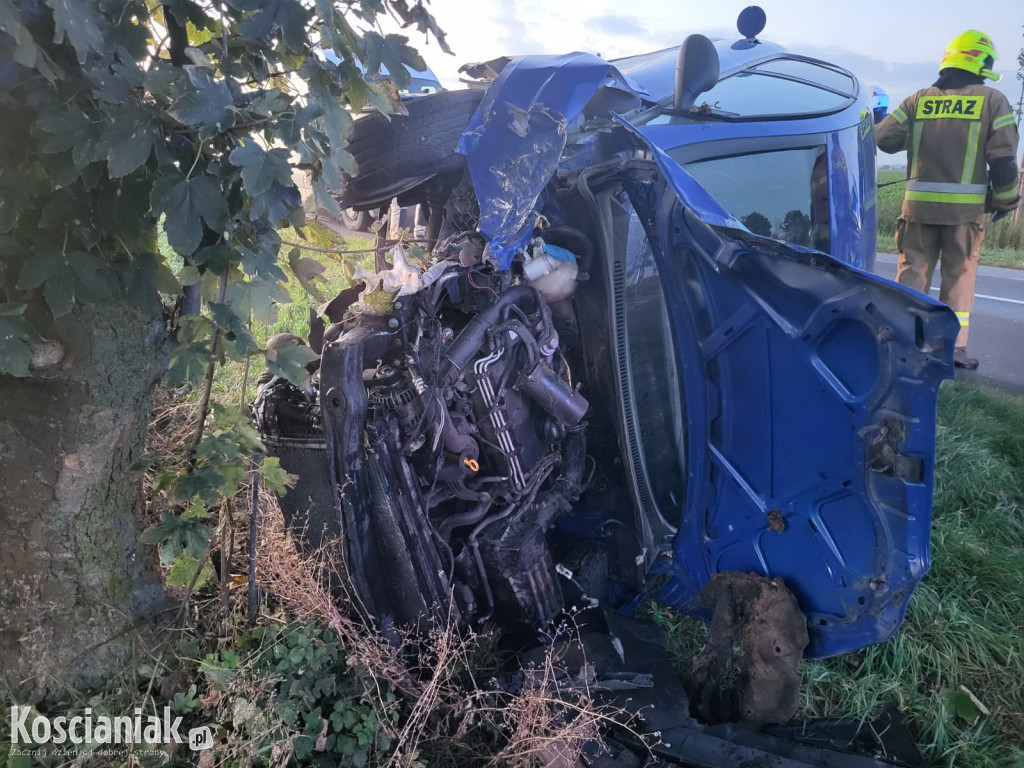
(951, 137)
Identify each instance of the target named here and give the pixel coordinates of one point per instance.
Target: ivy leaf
(188, 363)
(85, 149)
(59, 291)
(187, 203)
(93, 276)
(143, 276)
(47, 267)
(325, 199)
(275, 477)
(290, 362)
(161, 77)
(306, 271)
(80, 24)
(188, 275)
(257, 297)
(277, 204)
(394, 53)
(209, 105)
(289, 128)
(39, 267)
(62, 127)
(216, 258)
(183, 572)
(384, 97)
(129, 140)
(162, 531)
(234, 329)
(324, 94)
(204, 482)
(26, 52)
(261, 169)
(153, 268)
(288, 16)
(331, 172)
(270, 103)
(262, 261)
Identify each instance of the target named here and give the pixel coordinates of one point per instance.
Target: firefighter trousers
(955, 247)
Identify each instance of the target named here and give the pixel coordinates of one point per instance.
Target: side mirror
(697, 70)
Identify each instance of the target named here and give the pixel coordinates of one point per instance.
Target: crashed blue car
(646, 348)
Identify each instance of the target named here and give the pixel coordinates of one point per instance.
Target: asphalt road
(997, 324)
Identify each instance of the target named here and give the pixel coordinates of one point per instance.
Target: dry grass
(452, 707)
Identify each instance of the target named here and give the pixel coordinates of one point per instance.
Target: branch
(204, 402)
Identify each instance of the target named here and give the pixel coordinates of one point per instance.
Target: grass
(965, 624)
(1004, 241)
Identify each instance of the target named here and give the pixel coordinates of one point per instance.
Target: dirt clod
(749, 668)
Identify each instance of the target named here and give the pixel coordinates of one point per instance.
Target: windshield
(784, 87)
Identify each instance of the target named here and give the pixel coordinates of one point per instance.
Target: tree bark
(77, 585)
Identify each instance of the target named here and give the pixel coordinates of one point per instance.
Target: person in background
(961, 142)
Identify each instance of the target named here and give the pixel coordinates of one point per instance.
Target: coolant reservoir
(551, 271)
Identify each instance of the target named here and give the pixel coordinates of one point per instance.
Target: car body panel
(514, 142)
(810, 392)
(810, 386)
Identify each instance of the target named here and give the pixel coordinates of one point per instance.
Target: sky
(896, 44)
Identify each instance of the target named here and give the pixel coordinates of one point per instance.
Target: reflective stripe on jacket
(950, 137)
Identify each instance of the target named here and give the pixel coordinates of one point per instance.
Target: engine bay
(455, 429)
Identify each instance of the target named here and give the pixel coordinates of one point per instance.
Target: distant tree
(796, 228)
(757, 223)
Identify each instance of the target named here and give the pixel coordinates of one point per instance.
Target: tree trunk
(77, 585)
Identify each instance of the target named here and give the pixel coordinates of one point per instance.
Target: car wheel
(357, 221)
(397, 153)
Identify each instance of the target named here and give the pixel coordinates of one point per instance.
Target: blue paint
(514, 141)
(797, 368)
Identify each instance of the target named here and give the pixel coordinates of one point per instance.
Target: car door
(809, 388)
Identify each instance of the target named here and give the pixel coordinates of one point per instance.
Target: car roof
(655, 72)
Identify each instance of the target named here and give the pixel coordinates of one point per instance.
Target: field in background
(1004, 242)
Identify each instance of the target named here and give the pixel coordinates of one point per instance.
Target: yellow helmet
(972, 51)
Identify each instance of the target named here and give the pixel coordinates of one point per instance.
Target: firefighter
(961, 142)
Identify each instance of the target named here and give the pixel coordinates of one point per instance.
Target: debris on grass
(966, 705)
(749, 668)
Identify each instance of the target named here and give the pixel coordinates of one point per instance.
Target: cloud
(615, 25)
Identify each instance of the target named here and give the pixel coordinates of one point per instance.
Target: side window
(654, 403)
(782, 194)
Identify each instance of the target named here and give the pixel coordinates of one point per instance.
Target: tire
(357, 221)
(397, 154)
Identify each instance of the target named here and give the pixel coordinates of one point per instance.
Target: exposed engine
(455, 437)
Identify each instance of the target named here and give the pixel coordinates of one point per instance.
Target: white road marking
(998, 298)
(935, 289)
